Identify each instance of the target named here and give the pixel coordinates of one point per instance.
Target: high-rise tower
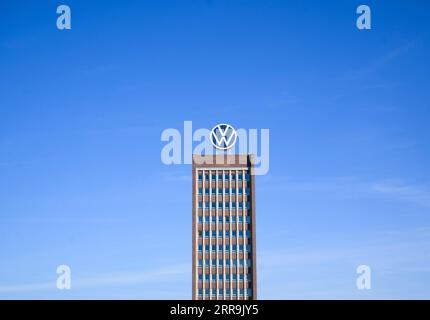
(223, 231)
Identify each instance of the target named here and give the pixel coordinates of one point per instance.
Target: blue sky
(82, 111)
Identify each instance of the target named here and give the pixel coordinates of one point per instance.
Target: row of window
(234, 233)
(207, 204)
(227, 262)
(226, 218)
(226, 177)
(234, 247)
(228, 277)
(227, 292)
(226, 191)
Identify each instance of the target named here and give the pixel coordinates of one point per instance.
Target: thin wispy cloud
(384, 60)
(344, 186)
(127, 278)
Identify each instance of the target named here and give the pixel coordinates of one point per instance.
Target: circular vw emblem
(223, 136)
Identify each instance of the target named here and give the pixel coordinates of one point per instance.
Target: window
(207, 219)
(220, 177)
(213, 190)
(233, 191)
(248, 205)
(227, 176)
(213, 177)
(227, 219)
(248, 233)
(234, 247)
(206, 205)
(207, 262)
(220, 277)
(227, 247)
(241, 292)
(207, 292)
(206, 190)
(240, 190)
(241, 248)
(248, 262)
(227, 262)
(240, 219)
(213, 233)
(206, 234)
(213, 292)
(200, 190)
(240, 233)
(233, 233)
(247, 177)
(220, 262)
(200, 177)
(214, 265)
(207, 247)
(220, 291)
(227, 205)
(200, 263)
(227, 233)
(219, 205)
(213, 218)
(241, 277)
(200, 233)
(246, 190)
(249, 292)
(214, 276)
(240, 205)
(241, 262)
(227, 292)
(227, 277)
(240, 177)
(200, 277)
(234, 265)
(220, 247)
(206, 177)
(220, 234)
(219, 218)
(233, 177)
(227, 191)
(233, 219)
(200, 205)
(213, 247)
(233, 205)
(248, 248)
(234, 292)
(219, 190)
(248, 219)
(207, 277)
(200, 247)
(200, 219)
(200, 292)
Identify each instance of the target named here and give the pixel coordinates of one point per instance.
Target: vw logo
(223, 136)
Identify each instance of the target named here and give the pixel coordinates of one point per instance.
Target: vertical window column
(237, 245)
(245, 255)
(223, 232)
(230, 233)
(210, 233)
(217, 238)
(204, 238)
(196, 226)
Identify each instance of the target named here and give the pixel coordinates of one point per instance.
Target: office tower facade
(223, 230)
